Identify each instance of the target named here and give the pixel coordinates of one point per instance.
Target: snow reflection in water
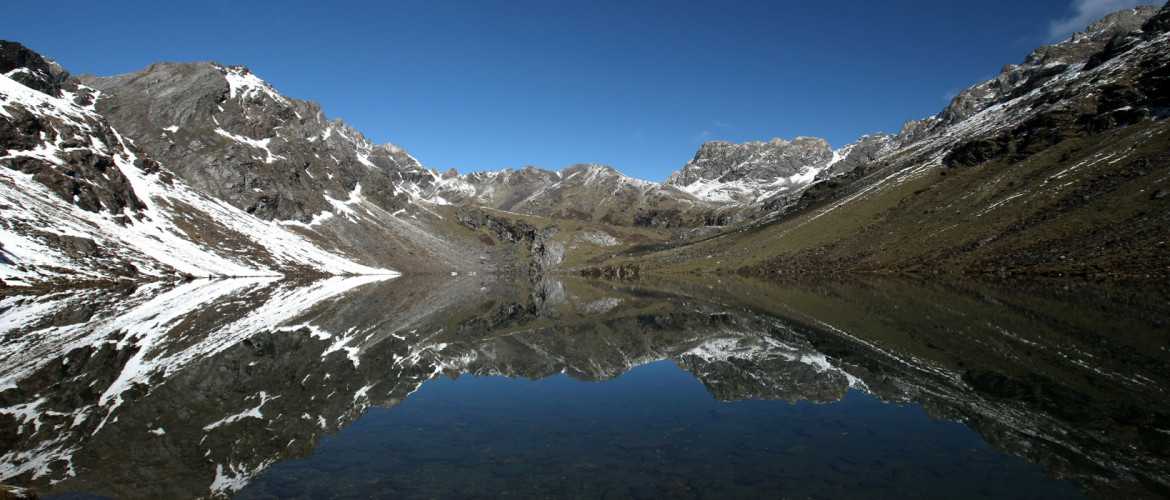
(226, 387)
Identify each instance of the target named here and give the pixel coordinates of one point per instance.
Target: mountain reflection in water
(264, 388)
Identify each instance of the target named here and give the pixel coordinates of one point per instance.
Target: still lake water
(468, 387)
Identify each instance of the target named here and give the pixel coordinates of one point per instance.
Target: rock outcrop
(744, 173)
(83, 203)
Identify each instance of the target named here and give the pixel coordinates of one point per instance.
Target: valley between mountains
(1057, 167)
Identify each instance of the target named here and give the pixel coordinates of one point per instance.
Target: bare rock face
(1081, 46)
(79, 175)
(1159, 23)
(866, 150)
(1045, 63)
(82, 202)
(718, 160)
(739, 173)
(30, 69)
(69, 165)
(230, 134)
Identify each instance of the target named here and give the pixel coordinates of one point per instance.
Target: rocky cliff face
(1046, 63)
(65, 161)
(744, 173)
(80, 201)
(32, 70)
(230, 134)
(771, 175)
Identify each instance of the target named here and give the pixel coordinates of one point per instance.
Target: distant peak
(587, 166)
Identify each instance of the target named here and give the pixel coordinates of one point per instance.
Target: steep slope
(81, 202)
(765, 176)
(1059, 167)
(230, 134)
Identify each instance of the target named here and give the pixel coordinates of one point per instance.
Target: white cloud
(1086, 12)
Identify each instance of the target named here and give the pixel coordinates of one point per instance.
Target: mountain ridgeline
(1058, 166)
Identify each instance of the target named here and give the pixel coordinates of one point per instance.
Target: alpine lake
(478, 387)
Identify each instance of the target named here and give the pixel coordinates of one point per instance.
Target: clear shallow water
(469, 387)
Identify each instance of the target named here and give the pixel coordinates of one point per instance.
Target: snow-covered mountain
(726, 172)
(203, 168)
(230, 134)
(81, 201)
(587, 192)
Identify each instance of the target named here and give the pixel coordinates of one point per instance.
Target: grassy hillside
(1094, 204)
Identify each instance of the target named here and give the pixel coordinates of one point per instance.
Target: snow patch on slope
(245, 85)
(747, 190)
(261, 144)
(154, 239)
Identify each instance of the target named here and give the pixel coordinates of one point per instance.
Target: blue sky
(481, 85)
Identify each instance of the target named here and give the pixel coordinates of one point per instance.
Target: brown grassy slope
(1092, 204)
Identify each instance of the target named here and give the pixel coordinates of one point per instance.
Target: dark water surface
(652, 432)
(472, 387)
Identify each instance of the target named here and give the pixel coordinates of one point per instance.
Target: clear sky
(639, 85)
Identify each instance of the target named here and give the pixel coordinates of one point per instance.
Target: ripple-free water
(476, 387)
(653, 432)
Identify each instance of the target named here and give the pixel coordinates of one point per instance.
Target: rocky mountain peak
(1046, 63)
(53, 135)
(82, 200)
(31, 69)
(756, 159)
(1078, 47)
(230, 133)
(729, 172)
(866, 150)
(587, 169)
(243, 84)
(1160, 22)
